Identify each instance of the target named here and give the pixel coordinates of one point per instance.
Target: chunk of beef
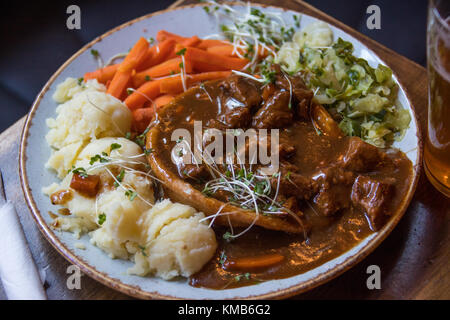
(372, 196)
(301, 95)
(242, 89)
(238, 96)
(303, 98)
(361, 156)
(292, 184)
(334, 186)
(275, 113)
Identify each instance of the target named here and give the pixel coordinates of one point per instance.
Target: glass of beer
(437, 144)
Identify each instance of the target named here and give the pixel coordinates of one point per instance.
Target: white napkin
(18, 272)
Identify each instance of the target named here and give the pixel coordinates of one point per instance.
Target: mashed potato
(87, 113)
(178, 242)
(165, 239)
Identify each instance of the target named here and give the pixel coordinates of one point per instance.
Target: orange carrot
(166, 68)
(141, 118)
(252, 263)
(191, 42)
(164, 35)
(149, 90)
(163, 100)
(123, 75)
(206, 61)
(228, 50)
(160, 52)
(208, 43)
(102, 75)
(174, 85)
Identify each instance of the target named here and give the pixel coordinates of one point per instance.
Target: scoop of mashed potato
(88, 115)
(178, 243)
(111, 200)
(67, 89)
(165, 239)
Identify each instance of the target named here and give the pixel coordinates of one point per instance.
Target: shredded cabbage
(363, 99)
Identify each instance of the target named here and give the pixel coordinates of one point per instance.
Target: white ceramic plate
(187, 21)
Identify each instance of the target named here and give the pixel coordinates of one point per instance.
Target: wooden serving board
(414, 259)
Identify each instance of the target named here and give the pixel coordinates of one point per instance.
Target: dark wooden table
(414, 259)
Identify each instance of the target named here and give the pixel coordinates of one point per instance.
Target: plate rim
(138, 292)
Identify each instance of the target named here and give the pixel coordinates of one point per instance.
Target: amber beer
(437, 144)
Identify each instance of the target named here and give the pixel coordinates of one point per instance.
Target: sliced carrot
(166, 68)
(206, 61)
(163, 100)
(135, 57)
(141, 118)
(252, 263)
(119, 84)
(191, 42)
(102, 75)
(208, 43)
(228, 50)
(224, 50)
(123, 75)
(149, 90)
(164, 35)
(174, 85)
(160, 52)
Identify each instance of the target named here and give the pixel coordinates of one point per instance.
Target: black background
(35, 40)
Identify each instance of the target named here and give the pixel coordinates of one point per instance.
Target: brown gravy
(329, 236)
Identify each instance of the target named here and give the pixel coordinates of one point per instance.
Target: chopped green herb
(130, 194)
(147, 78)
(222, 258)
(148, 151)
(142, 248)
(227, 236)
(81, 172)
(181, 52)
(101, 218)
(115, 146)
(94, 53)
(119, 178)
(240, 277)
